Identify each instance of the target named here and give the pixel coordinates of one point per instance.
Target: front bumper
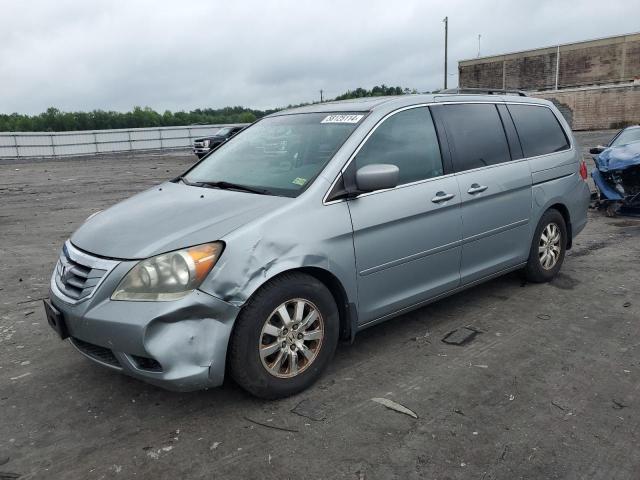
(200, 150)
(178, 345)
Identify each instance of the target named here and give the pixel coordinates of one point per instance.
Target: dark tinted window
(407, 139)
(475, 135)
(538, 129)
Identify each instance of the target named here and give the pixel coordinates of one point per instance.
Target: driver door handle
(475, 188)
(442, 197)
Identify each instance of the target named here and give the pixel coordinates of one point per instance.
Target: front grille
(96, 352)
(77, 274)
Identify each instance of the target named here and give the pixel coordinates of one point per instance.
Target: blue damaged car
(617, 173)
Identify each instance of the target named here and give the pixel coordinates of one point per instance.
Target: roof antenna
(479, 45)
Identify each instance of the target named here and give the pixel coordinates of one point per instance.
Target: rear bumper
(179, 345)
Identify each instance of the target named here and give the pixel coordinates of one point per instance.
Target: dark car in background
(204, 145)
(617, 173)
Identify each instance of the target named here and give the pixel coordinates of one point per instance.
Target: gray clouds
(82, 55)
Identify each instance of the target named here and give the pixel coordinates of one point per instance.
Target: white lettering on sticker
(342, 119)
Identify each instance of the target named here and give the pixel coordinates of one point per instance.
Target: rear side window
(539, 130)
(475, 135)
(408, 140)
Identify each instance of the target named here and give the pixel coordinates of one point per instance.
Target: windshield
(628, 136)
(279, 155)
(223, 131)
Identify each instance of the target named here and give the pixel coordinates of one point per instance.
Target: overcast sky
(89, 54)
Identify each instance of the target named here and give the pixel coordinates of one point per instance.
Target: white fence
(60, 144)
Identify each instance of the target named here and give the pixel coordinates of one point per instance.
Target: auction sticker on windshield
(299, 181)
(342, 119)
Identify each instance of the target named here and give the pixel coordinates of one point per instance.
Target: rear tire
(547, 248)
(284, 337)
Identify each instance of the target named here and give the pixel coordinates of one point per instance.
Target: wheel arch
(564, 211)
(347, 310)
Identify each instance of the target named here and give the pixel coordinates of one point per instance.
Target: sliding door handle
(442, 197)
(475, 188)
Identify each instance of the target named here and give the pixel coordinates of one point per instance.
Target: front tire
(548, 248)
(284, 337)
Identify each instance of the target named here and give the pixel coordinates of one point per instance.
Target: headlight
(206, 143)
(169, 276)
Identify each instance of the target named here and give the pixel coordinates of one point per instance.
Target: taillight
(583, 170)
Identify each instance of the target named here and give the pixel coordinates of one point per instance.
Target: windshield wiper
(232, 186)
(224, 186)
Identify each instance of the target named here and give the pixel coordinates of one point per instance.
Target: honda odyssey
(313, 224)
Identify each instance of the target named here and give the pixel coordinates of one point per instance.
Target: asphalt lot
(549, 389)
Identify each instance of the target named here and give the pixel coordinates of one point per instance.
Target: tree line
(54, 120)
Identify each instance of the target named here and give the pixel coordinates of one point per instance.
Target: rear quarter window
(539, 131)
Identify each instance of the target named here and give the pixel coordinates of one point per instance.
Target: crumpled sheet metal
(284, 242)
(192, 342)
(619, 158)
(607, 190)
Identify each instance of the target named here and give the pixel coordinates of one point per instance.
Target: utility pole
(321, 97)
(446, 39)
(479, 45)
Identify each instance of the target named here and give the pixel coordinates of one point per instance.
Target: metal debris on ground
(618, 405)
(460, 336)
(391, 405)
(505, 450)
(309, 409)
(626, 304)
(543, 316)
(275, 427)
(557, 405)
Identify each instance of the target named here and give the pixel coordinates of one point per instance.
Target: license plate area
(55, 319)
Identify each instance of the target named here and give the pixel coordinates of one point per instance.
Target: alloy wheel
(291, 338)
(549, 247)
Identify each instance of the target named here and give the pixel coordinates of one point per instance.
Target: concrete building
(595, 83)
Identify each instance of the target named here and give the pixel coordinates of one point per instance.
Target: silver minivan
(313, 224)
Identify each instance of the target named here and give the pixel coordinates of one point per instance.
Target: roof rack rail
(484, 91)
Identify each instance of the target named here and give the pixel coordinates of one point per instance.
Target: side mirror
(597, 150)
(378, 176)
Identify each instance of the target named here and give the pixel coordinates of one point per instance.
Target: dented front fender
(317, 236)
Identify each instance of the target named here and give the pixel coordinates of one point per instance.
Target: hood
(619, 158)
(169, 217)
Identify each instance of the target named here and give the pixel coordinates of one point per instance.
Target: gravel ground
(550, 388)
